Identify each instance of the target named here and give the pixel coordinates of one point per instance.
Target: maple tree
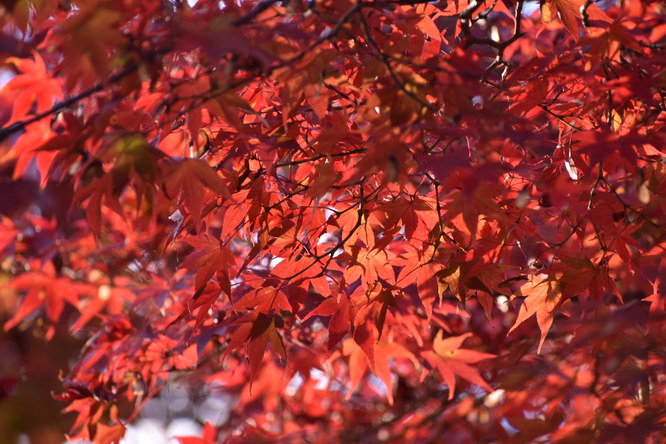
(407, 221)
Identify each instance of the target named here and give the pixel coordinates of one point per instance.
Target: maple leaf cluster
(391, 220)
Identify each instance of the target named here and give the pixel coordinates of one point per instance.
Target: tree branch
(21, 125)
(247, 18)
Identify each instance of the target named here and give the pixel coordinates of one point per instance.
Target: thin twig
(387, 63)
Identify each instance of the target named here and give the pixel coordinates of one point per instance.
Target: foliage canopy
(366, 220)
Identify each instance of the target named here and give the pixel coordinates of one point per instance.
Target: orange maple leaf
(364, 352)
(451, 361)
(542, 297)
(569, 11)
(33, 86)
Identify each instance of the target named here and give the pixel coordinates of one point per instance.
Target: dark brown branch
(21, 125)
(466, 21)
(247, 18)
(585, 14)
(501, 46)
